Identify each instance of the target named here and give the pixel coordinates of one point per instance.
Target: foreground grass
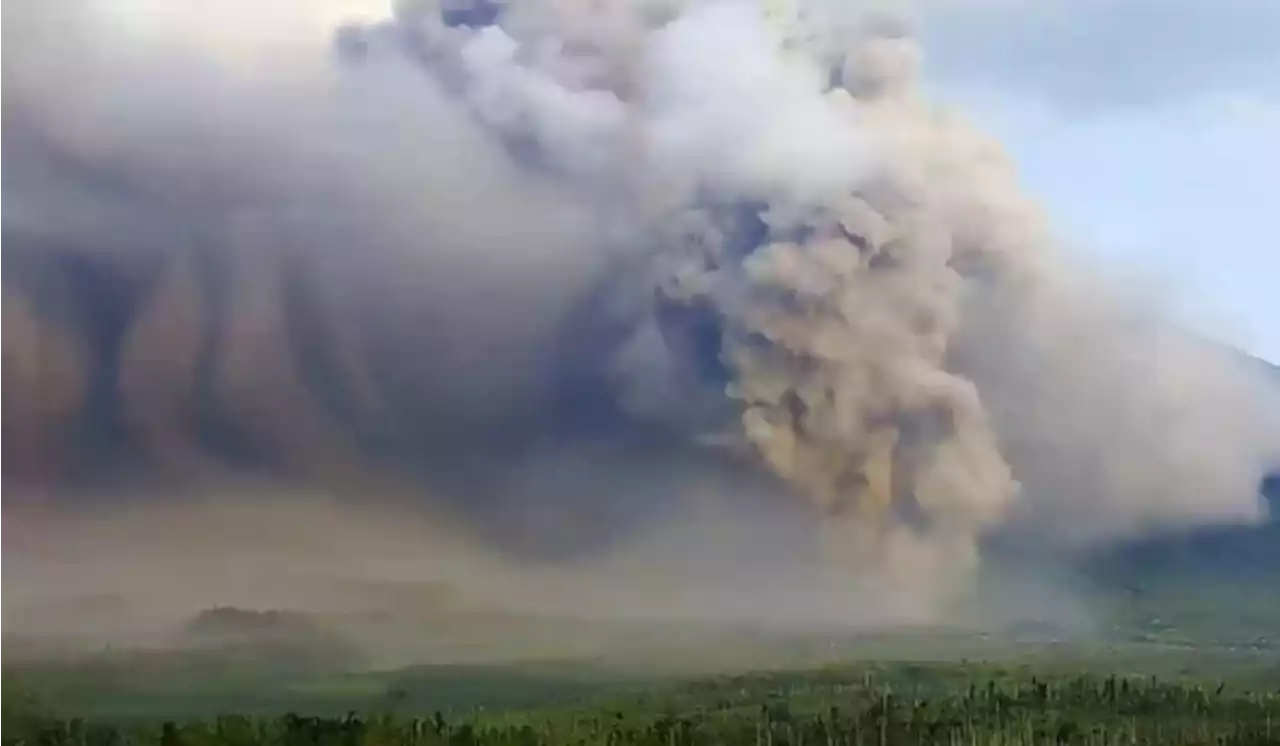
(882, 704)
(1158, 680)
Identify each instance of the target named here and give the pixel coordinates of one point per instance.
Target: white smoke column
(729, 112)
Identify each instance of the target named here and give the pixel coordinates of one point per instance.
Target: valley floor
(1139, 693)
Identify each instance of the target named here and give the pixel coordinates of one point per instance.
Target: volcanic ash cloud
(876, 277)
(851, 271)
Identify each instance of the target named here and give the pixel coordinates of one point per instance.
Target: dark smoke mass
(523, 269)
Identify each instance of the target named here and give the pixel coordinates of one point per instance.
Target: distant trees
(289, 640)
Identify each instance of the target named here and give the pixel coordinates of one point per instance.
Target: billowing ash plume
(379, 241)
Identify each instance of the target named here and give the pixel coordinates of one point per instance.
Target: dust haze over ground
(463, 292)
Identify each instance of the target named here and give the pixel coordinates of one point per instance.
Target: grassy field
(1173, 664)
(886, 702)
(920, 688)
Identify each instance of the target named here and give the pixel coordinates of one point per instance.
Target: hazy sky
(1149, 128)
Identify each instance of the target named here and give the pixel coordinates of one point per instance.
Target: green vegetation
(1165, 663)
(902, 703)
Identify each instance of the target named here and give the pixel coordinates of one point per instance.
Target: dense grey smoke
(435, 234)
